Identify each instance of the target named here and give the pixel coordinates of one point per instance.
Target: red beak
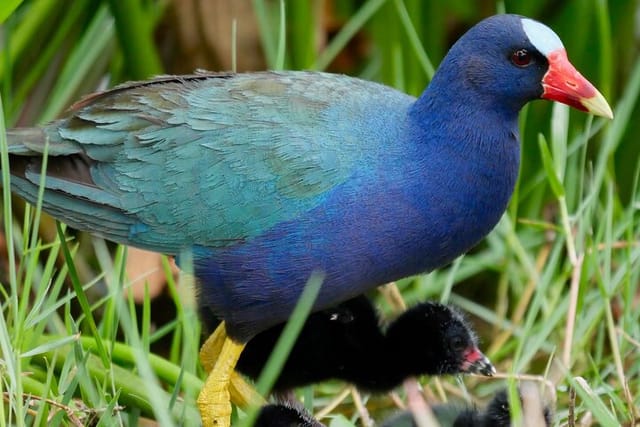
(563, 83)
(477, 363)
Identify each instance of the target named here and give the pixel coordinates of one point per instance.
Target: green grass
(554, 290)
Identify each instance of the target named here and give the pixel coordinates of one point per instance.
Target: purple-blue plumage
(442, 183)
(267, 177)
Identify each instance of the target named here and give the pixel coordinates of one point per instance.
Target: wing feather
(209, 159)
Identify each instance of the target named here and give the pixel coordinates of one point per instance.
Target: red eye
(521, 57)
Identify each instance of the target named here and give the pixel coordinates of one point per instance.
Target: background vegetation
(554, 290)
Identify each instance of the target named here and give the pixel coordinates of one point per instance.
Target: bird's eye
(521, 58)
(458, 343)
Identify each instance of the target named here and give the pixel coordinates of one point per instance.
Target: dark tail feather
(26, 141)
(32, 142)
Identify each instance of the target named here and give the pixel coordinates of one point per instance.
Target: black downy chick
(285, 415)
(496, 414)
(347, 343)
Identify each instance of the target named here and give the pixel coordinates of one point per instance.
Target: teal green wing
(221, 158)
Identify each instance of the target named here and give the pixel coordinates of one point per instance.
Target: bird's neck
(466, 107)
(465, 160)
(456, 121)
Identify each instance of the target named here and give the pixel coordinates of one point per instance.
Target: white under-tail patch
(541, 36)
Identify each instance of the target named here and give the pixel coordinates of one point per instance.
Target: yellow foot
(215, 405)
(214, 400)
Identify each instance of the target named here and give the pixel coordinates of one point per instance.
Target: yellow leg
(214, 399)
(212, 347)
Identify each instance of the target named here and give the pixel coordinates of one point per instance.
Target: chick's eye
(521, 57)
(457, 343)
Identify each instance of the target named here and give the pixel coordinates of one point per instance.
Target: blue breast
(416, 202)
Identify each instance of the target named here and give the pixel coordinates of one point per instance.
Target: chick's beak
(475, 362)
(563, 83)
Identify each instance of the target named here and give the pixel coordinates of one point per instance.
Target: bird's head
(509, 60)
(435, 339)
(561, 81)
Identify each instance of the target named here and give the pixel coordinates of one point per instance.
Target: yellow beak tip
(598, 106)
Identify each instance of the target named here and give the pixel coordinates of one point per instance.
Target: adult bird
(264, 178)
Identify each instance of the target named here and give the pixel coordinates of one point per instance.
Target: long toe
(244, 394)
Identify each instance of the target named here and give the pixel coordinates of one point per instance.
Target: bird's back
(208, 160)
